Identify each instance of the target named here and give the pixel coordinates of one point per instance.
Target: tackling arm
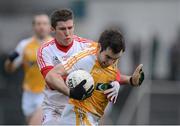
(55, 80)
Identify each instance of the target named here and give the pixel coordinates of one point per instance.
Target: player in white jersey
(64, 45)
(100, 61)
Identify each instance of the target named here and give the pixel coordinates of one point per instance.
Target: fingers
(111, 94)
(114, 100)
(83, 82)
(139, 68)
(141, 77)
(108, 91)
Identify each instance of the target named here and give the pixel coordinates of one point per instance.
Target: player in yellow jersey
(100, 61)
(25, 55)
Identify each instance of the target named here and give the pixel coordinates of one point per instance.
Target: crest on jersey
(56, 60)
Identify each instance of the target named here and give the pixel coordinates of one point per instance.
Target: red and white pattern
(49, 55)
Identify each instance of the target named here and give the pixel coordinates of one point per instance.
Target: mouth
(68, 38)
(103, 64)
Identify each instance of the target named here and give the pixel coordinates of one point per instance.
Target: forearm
(55, 81)
(125, 79)
(9, 66)
(136, 79)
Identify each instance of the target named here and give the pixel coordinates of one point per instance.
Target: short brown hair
(61, 15)
(113, 39)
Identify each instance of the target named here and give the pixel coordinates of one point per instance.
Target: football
(75, 77)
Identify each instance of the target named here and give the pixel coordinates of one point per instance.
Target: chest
(103, 75)
(30, 52)
(59, 56)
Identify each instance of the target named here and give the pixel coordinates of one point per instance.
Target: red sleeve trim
(118, 76)
(45, 70)
(40, 59)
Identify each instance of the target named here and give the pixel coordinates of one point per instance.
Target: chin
(103, 66)
(68, 42)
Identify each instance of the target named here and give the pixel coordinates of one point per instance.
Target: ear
(52, 29)
(99, 47)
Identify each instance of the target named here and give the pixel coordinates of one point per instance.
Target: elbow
(52, 78)
(49, 77)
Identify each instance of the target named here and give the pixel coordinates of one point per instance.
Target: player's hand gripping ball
(81, 84)
(138, 76)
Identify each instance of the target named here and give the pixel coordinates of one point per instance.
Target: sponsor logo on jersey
(56, 60)
(103, 86)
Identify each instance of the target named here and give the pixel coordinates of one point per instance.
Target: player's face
(107, 57)
(64, 32)
(42, 26)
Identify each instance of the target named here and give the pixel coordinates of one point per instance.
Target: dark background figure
(154, 53)
(174, 59)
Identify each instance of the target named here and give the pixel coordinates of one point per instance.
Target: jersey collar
(63, 48)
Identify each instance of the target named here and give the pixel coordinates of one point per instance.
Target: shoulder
(45, 48)
(24, 42)
(81, 39)
(84, 42)
(88, 52)
(47, 44)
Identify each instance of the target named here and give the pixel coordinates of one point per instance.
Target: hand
(112, 93)
(138, 76)
(79, 92)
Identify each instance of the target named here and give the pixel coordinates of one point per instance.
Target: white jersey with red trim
(49, 55)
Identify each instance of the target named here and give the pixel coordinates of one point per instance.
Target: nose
(67, 32)
(110, 62)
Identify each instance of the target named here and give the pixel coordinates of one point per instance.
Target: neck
(63, 47)
(40, 39)
(59, 41)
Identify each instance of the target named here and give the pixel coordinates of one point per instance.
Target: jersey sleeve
(85, 43)
(118, 76)
(19, 50)
(44, 61)
(118, 73)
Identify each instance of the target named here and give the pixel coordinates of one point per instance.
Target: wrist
(68, 92)
(131, 81)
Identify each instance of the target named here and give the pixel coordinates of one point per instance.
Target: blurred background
(152, 32)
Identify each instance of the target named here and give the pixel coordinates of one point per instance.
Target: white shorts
(70, 115)
(31, 101)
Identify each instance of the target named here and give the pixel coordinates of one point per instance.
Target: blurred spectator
(136, 53)
(174, 59)
(154, 52)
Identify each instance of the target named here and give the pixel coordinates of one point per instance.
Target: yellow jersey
(33, 80)
(87, 60)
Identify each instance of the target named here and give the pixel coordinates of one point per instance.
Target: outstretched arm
(136, 79)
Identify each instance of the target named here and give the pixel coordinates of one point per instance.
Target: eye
(108, 57)
(62, 29)
(70, 27)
